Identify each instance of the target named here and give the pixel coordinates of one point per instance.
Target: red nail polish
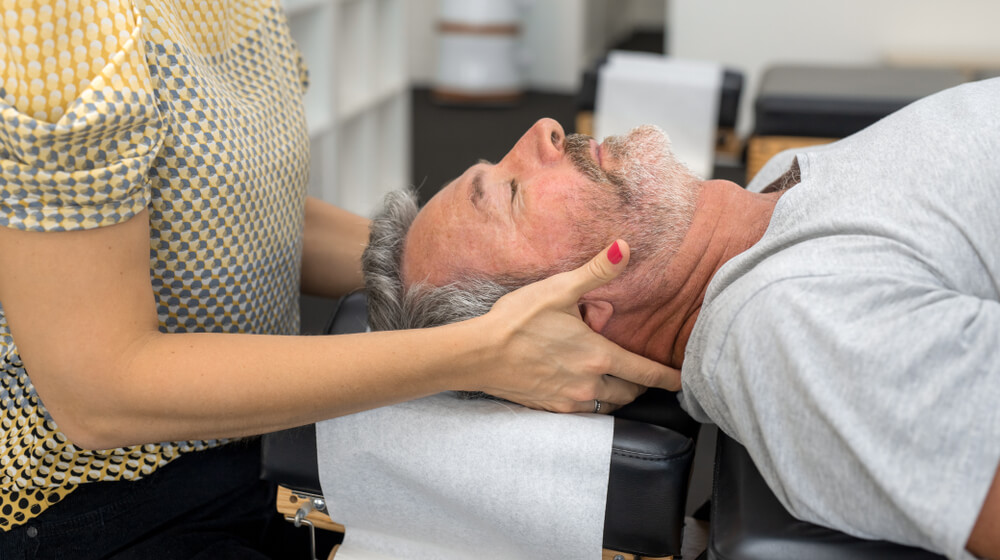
(615, 254)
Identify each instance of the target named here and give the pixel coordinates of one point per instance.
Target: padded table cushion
(749, 523)
(834, 102)
(647, 485)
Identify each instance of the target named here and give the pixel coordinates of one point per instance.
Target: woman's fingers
(598, 271)
(643, 371)
(613, 394)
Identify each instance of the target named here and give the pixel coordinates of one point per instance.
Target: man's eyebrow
(477, 188)
(477, 184)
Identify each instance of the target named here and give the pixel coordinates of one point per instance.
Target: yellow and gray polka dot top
(188, 108)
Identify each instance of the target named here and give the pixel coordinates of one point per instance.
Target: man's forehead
(429, 250)
(411, 265)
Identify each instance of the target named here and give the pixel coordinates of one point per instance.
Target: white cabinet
(358, 104)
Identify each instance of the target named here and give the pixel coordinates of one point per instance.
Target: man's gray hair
(393, 307)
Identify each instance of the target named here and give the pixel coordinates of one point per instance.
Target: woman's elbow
(85, 405)
(985, 538)
(87, 427)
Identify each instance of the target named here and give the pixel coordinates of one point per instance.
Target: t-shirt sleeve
(80, 125)
(868, 403)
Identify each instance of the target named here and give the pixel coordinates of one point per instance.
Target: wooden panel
(585, 123)
(762, 148)
(728, 143)
(289, 503)
(477, 29)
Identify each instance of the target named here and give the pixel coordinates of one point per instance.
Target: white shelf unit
(358, 105)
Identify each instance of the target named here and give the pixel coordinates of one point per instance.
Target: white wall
(422, 40)
(751, 35)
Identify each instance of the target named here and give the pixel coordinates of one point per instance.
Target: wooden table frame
(305, 508)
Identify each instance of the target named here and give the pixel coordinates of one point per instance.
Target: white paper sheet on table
(679, 96)
(444, 478)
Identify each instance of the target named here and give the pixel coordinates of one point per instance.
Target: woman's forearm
(332, 243)
(80, 307)
(210, 385)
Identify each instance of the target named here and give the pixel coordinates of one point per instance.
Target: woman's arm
(81, 309)
(333, 240)
(985, 538)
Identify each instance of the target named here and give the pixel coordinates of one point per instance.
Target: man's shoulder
(816, 285)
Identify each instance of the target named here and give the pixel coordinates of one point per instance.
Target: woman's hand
(551, 360)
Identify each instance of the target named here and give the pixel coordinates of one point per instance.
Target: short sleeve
(80, 125)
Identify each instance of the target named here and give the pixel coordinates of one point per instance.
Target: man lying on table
(843, 323)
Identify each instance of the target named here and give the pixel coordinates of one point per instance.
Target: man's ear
(596, 313)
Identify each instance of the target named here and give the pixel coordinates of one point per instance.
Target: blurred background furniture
(800, 105)
(728, 145)
(480, 57)
(357, 105)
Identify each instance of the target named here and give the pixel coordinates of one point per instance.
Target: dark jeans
(204, 505)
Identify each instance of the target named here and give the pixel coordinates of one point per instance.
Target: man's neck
(727, 221)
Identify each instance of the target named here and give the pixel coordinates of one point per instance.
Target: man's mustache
(577, 147)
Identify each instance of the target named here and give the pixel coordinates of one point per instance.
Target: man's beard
(647, 199)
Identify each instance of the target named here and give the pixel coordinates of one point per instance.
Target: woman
(156, 236)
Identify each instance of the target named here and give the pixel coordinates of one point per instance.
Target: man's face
(548, 205)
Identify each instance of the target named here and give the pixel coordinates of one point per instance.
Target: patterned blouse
(188, 108)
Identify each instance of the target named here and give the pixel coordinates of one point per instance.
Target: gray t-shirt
(855, 349)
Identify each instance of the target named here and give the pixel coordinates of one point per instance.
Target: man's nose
(545, 140)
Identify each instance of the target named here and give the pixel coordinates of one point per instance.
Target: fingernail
(615, 254)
